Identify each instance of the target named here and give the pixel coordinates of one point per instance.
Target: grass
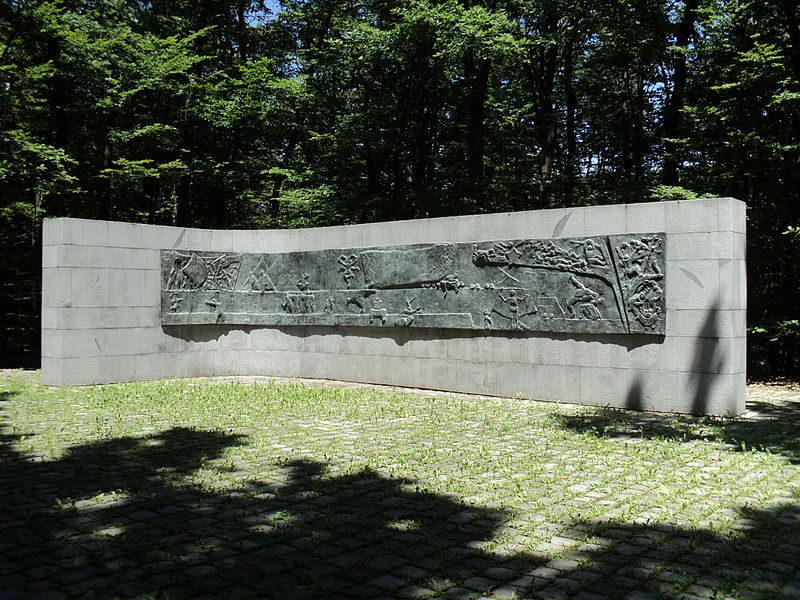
(548, 481)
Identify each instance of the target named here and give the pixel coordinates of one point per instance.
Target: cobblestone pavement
(178, 490)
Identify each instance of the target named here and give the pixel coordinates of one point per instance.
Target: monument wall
(639, 306)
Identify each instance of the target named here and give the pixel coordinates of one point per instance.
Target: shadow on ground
(117, 519)
(775, 427)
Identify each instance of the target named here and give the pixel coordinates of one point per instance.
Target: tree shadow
(771, 427)
(119, 518)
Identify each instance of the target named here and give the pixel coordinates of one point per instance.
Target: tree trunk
(569, 125)
(241, 31)
(107, 199)
(672, 115)
(476, 71)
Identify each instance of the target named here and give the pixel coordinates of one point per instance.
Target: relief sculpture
(599, 284)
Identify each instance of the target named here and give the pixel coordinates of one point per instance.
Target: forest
(296, 113)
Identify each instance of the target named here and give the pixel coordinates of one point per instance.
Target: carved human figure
(329, 306)
(213, 302)
(288, 304)
(378, 312)
(450, 283)
(175, 301)
(639, 258)
(586, 300)
(259, 278)
(592, 254)
(359, 300)
(645, 303)
(408, 313)
(513, 301)
(302, 282)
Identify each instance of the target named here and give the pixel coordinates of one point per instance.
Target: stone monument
(638, 305)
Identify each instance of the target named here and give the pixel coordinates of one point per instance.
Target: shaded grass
(549, 481)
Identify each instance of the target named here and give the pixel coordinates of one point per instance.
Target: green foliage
(223, 114)
(666, 193)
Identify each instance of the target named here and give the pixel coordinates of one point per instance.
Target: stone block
(319, 238)
(688, 246)
(56, 287)
(554, 222)
(81, 371)
(376, 234)
(314, 365)
(342, 366)
(86, 232)
(646, 217)
(708, 393)
(80, 343)
(425, 231)
(164, 342)
(105, 257)
(139, 258)
(539, 382)
(429, 345)
(692, 322)
(693, 284)
(105, 317)
(725, 245)
(52, 343)
(227, 363)
(200, 364)
(89, 287)
(733, 284)
(282, 364)
(597, 352)
(467, 228)
(50, 256)
(649, 390)
(733, 355)
(282, 240)
(249, 240)
(151, 290)
(222, 240)
(124, 235)
(51, 318)
(468, 348)
(195, 239)
(276, 339)
(705, 245)
(696, 354)
(468, 376)
(51, 371)
(163, 365)
(644, 356)
(732, 215)
(126, 287)
(603, 386)
(53, 232)
(130, 316)
(686, 216)
(76, 256)
(234, 339)
(155, 237)
(605, 220)
(118, 368)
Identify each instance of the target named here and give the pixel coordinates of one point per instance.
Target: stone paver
(121, 492)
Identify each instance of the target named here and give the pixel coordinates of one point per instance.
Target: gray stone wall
(101, 314)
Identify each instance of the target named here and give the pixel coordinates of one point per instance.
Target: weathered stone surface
(600, 284)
